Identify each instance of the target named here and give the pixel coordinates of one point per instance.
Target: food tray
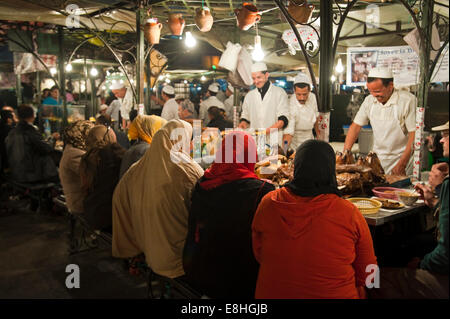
(381, 192)
(366, 205)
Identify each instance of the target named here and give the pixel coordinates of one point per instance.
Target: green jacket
(437, 260)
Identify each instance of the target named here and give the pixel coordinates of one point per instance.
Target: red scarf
(242, 166)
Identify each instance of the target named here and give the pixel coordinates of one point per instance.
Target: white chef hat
(168, 90)
(302, 78)
(259, 67)
(230, 87)
(117, 86)
(103, 107)
(381, 73)
(213, 88)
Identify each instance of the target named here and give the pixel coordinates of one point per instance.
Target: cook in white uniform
(124, 104)
(170, 108)
(212, 100)
(392, 115)
(267, 105)
(303, 111)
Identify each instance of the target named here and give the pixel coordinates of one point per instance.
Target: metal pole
(326, 55)
(424, 84)
(148, 93)
(93, 107)
(62, 75)
(140, 14)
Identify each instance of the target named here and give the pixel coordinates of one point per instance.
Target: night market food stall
(88, 46)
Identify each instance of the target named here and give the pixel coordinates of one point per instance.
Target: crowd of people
(224, 231)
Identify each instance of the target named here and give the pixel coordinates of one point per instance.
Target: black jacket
(4, 131)
(218, 256)
(220, 123)
(29, 156)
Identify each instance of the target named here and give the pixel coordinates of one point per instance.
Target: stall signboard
(402, 60)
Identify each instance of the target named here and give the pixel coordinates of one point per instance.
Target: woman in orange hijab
(309, 242)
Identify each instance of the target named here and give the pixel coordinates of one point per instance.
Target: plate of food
(389, 203)
(386, 192)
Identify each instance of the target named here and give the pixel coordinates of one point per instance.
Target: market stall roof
(114, 15)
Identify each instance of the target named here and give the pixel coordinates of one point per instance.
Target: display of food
(389, 203)
(358, 178)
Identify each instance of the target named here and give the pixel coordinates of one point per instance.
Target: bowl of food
(386, 192)
(408, 198)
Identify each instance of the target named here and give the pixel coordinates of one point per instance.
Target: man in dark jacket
(7, 122)
(29, 156)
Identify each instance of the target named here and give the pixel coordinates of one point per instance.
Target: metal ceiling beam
(379, 28)
(367, 35)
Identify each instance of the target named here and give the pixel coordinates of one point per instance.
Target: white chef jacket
(170, 110)
(265, 113)
(205, 105)
(391, 123)
(229, 104)
(302, 120)
(126, 104)
(113, 110)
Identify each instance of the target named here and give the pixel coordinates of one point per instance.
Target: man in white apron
(392, 115)
(212, 100)
(303, 111)
(170, 108)
(124, 102)
(266, 106)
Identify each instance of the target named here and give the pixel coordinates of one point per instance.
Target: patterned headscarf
(76, 134)
(144, 127)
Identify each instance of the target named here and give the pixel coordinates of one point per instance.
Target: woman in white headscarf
(152, 201)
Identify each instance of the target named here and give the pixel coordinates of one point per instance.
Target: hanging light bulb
(258, 53)
(53, 71)
(69, 67)
(190, 40)
(167, 80)
(339, 66)
(333, 78)
(185, 82)
(161, 77)
(94, 72)
(82, 87)
(203, 78)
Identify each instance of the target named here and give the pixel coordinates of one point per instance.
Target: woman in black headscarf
(311, 243)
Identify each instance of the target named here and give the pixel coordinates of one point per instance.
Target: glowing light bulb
(339, 66)
(161, 77)
(185, 82)
(190, 40)
(94, 72)
(258, 53)
(203, 78)
(53, 71)
(167, 80)
(83, 87)
(69, 67)
(333, 78)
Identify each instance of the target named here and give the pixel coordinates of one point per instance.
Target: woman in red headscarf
(218, 258)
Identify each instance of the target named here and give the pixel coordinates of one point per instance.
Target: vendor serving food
(303, 111)
(392, 116)
(266, 106)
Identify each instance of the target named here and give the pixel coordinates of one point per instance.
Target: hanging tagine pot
(176, 23)
(300, 10)
(203, 19)
(152, 30)
(247, 16)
